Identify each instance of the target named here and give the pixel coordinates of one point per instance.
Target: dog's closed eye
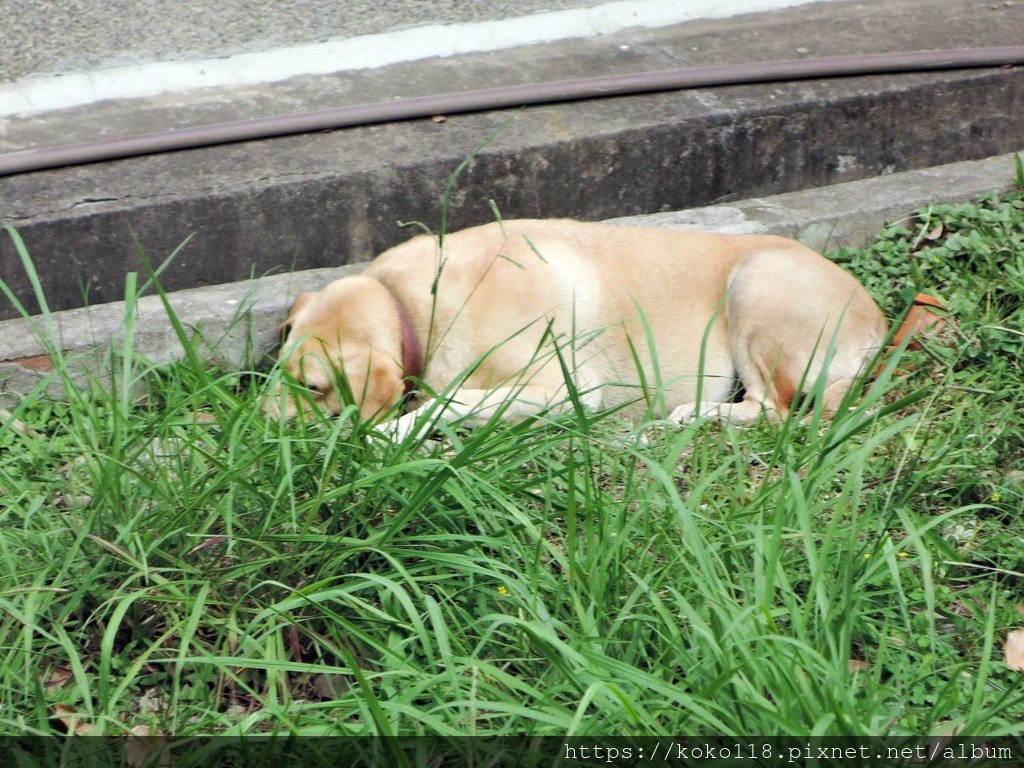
(316, 388)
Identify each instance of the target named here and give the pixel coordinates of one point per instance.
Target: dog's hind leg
(765, 372)
(753, 405)
(834, 394)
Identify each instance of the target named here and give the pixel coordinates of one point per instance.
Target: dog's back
(631, 293)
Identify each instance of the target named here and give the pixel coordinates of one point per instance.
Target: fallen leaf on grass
(961, 608)
(921, 320)
(71, 720)
(1015, 650)
(930, 237)
(152, 702)
(236, 712)
(203, 418)
(58, 677)
(146, 747)
(856, 665)
(72, 501)
(328, 687)
(291, 635)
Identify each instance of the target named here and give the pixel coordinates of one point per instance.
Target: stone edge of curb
(237, 323)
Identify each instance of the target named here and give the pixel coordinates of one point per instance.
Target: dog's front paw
(691, 412)
(396, 430)
(684, 414)
(405, 427)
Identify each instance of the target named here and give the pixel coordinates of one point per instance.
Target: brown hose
(499, 98)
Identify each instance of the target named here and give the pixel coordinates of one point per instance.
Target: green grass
(177, 560)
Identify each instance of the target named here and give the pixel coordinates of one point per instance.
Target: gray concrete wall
(42, 36)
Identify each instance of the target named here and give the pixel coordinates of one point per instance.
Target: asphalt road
(44, 37)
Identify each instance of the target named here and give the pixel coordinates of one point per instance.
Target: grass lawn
(180, 562)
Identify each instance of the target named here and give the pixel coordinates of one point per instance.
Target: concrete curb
(235, 324)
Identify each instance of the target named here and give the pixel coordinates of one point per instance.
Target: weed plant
(181, 562)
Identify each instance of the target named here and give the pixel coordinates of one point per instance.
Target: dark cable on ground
(502, 98)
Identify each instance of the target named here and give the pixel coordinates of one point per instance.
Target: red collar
(412, 352)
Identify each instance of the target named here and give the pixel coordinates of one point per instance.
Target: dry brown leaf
(921, 321)
(71, 720)
(330, 686)
(1015, 650)
(146, 747)
(152, 702)
(236, 712)
(58, 678)
(856, 665)
(291, 636)
(961, 608)
(72, 501)
(927, 237)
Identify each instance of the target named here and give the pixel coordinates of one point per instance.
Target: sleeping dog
(504, 312)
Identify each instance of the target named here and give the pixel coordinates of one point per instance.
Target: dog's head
(344, 345)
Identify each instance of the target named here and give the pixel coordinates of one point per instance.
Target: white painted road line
(37, 94)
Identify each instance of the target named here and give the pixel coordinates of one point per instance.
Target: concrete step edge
(237, 323)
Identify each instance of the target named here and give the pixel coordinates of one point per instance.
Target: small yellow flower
(502, 591)
(997, 497)
(902, 555)
(867, 555)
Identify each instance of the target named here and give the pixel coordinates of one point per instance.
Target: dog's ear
(300, 301)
